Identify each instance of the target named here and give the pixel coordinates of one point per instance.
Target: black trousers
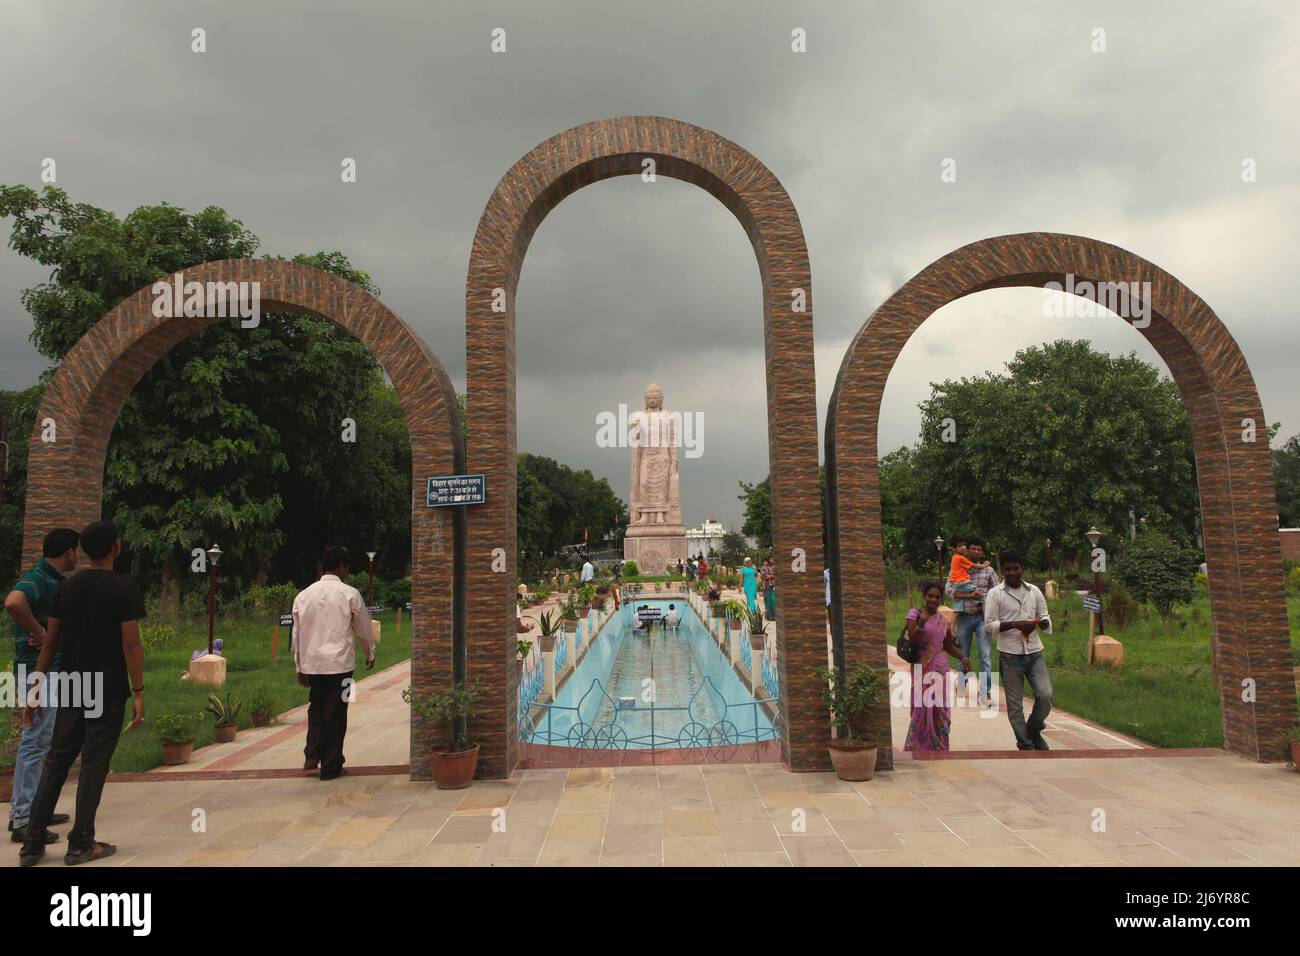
(95, 739)
(327, 721)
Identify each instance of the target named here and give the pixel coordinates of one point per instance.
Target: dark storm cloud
(631, 282)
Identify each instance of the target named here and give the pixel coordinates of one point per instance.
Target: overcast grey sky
(628, 282)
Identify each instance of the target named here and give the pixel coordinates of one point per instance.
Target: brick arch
(85, 395)
(531, 188)
(1239, 513)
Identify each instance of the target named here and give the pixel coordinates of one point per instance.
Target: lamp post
(214, 556)
(938, 549)
(1093, 537)
(370, 593)
(1049, 559)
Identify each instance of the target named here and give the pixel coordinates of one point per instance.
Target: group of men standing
(79, 660)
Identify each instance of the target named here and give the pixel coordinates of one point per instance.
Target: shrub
(1293, 581)
(157, 636)
(450, 709)
(1158, 571)
(852, 701)
(630, 569)
(262, 700)
(269, 599)
(1120, 607)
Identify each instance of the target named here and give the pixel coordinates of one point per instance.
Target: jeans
(972, 625)
(94, 739)
(1015, 669)
(34, 745)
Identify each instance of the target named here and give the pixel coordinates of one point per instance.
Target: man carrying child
(970, 579)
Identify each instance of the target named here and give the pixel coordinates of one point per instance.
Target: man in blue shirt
(28, 604)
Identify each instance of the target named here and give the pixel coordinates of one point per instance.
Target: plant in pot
(262, 706)
(453, 768)
(852, 702)
(523, 649)
(736, 611)
(570, 609)
(757, 629)
(226, 714)
(176, 733)
(550, 625)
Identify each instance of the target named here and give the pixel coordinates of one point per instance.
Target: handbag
(905, 648)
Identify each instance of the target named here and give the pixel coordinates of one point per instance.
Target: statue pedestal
(654, 547)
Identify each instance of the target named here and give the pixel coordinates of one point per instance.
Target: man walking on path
(588, 571)
(970, 616)
(327, 617)
(29, 605)
(1016, 612)
(95, 621)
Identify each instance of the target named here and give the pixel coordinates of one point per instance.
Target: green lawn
(248, 663)
(1163, 694)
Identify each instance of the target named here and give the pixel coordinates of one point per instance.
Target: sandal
(96, 851)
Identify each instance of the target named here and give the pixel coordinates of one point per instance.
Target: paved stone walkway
(1140, 807)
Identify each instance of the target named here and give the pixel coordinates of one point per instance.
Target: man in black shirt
(95, 621)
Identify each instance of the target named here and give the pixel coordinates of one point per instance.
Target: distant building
(705, 539)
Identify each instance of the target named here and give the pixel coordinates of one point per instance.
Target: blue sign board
(448, 490)
(375, 608)
(1091, 602)
(286, 620)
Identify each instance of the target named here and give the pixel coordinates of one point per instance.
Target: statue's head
(654, 397)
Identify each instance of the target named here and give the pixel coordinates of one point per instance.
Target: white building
(705, 539)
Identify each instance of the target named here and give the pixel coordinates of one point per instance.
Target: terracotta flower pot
(176, 753)
(6, 785)
(225, 732)
(454, 771)
(734, 623)
(853, 761)
(548, 643)
(262, 718)
(757, 641)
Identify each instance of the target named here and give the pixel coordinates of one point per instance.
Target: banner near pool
(447, 490)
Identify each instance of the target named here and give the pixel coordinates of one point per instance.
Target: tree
(1067, 438)
(18, 409)
(758, 511)
(1286, 472)
(1159, 571)
(557, 504)
(732, 550)
(233, 436)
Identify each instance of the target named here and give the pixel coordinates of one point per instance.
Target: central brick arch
(85, 395)
(533, 187)
(1239, 512)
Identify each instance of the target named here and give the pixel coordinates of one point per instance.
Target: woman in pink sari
(934, 641)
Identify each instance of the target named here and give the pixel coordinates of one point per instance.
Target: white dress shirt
(1025, 603)
(588, 572)
(326, 618)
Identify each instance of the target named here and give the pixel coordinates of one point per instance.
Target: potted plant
(226, 714)
(176, 734)
(453, 768)
(757, 629)
(522, 649)
(735, 611)
(262, 706)
(550, 624)
(570, 609)
(851, 702)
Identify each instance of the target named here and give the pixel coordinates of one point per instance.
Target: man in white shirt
(1016, 612)
(588, 571)
(672, 618)
(328, 618)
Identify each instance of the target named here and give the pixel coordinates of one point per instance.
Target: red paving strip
(1091, 754)
(154, 776)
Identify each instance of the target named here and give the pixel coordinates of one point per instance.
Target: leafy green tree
(1067, 438)
(1157, 570)
(556, 504)
(235, 435)
(18, 410)
(732, 550)
(758, 511)
(1286, 472)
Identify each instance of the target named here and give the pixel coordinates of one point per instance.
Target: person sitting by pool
(638, 622)
(672, 618)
